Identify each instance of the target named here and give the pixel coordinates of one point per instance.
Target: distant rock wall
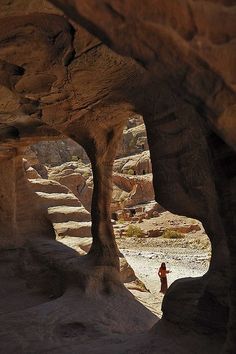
(57, 152)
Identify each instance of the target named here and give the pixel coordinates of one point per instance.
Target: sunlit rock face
(46, 64)
(174, 64)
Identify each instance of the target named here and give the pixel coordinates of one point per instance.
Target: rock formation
(138, 164)
(129, 191)
(172, 63)
(77, 177)
(57, 152)
(134, 139)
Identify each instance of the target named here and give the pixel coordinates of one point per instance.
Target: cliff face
(173, 63)
(54, 153)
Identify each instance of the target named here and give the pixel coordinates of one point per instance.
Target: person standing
(163, 277)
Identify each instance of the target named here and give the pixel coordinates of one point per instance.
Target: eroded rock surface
(178, 72)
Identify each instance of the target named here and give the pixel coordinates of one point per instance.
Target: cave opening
(80, 68)
(60, 174)
(146, 233)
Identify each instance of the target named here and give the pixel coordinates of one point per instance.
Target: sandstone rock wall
(55, 153)
(173, 64)
(21, 216)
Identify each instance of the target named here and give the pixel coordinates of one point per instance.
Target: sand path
(182, 261)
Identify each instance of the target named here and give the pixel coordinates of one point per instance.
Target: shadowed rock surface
(82, 76)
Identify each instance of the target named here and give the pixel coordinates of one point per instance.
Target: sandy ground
(187, 257)
(182, 263)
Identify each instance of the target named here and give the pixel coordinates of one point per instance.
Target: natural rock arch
(187, 99)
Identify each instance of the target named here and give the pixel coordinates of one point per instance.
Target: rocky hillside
(64, 186)
(133, 209)
(66, 162)
(57, 152)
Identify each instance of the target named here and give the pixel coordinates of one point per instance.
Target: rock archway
(55, 76)
(195, 104)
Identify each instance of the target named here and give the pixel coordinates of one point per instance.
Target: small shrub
(121, 221)
(172, 234)
(86, 175)
(130, 172)
(134, 231)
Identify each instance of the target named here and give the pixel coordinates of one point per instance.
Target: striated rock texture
(139, 164)
(76, 177)
(129, 191)
(177, 70)
(21, 216)
(55, 153)
(134, 138)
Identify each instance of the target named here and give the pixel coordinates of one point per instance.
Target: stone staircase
(65, 211)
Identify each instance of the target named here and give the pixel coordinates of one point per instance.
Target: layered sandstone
(173, 63)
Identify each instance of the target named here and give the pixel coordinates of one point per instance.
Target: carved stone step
(73, 229)
(62, 214)
(47, 186)
(56, 199)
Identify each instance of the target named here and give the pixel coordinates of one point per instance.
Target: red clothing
(162, 274)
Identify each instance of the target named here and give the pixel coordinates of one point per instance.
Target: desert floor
(186, 257)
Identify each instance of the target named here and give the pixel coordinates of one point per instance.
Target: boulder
(139, 164)
(31, 173)
(185, 229)
(129, 191)
(75, 175)
(134, 139)
(155, 232)
(41, 169)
